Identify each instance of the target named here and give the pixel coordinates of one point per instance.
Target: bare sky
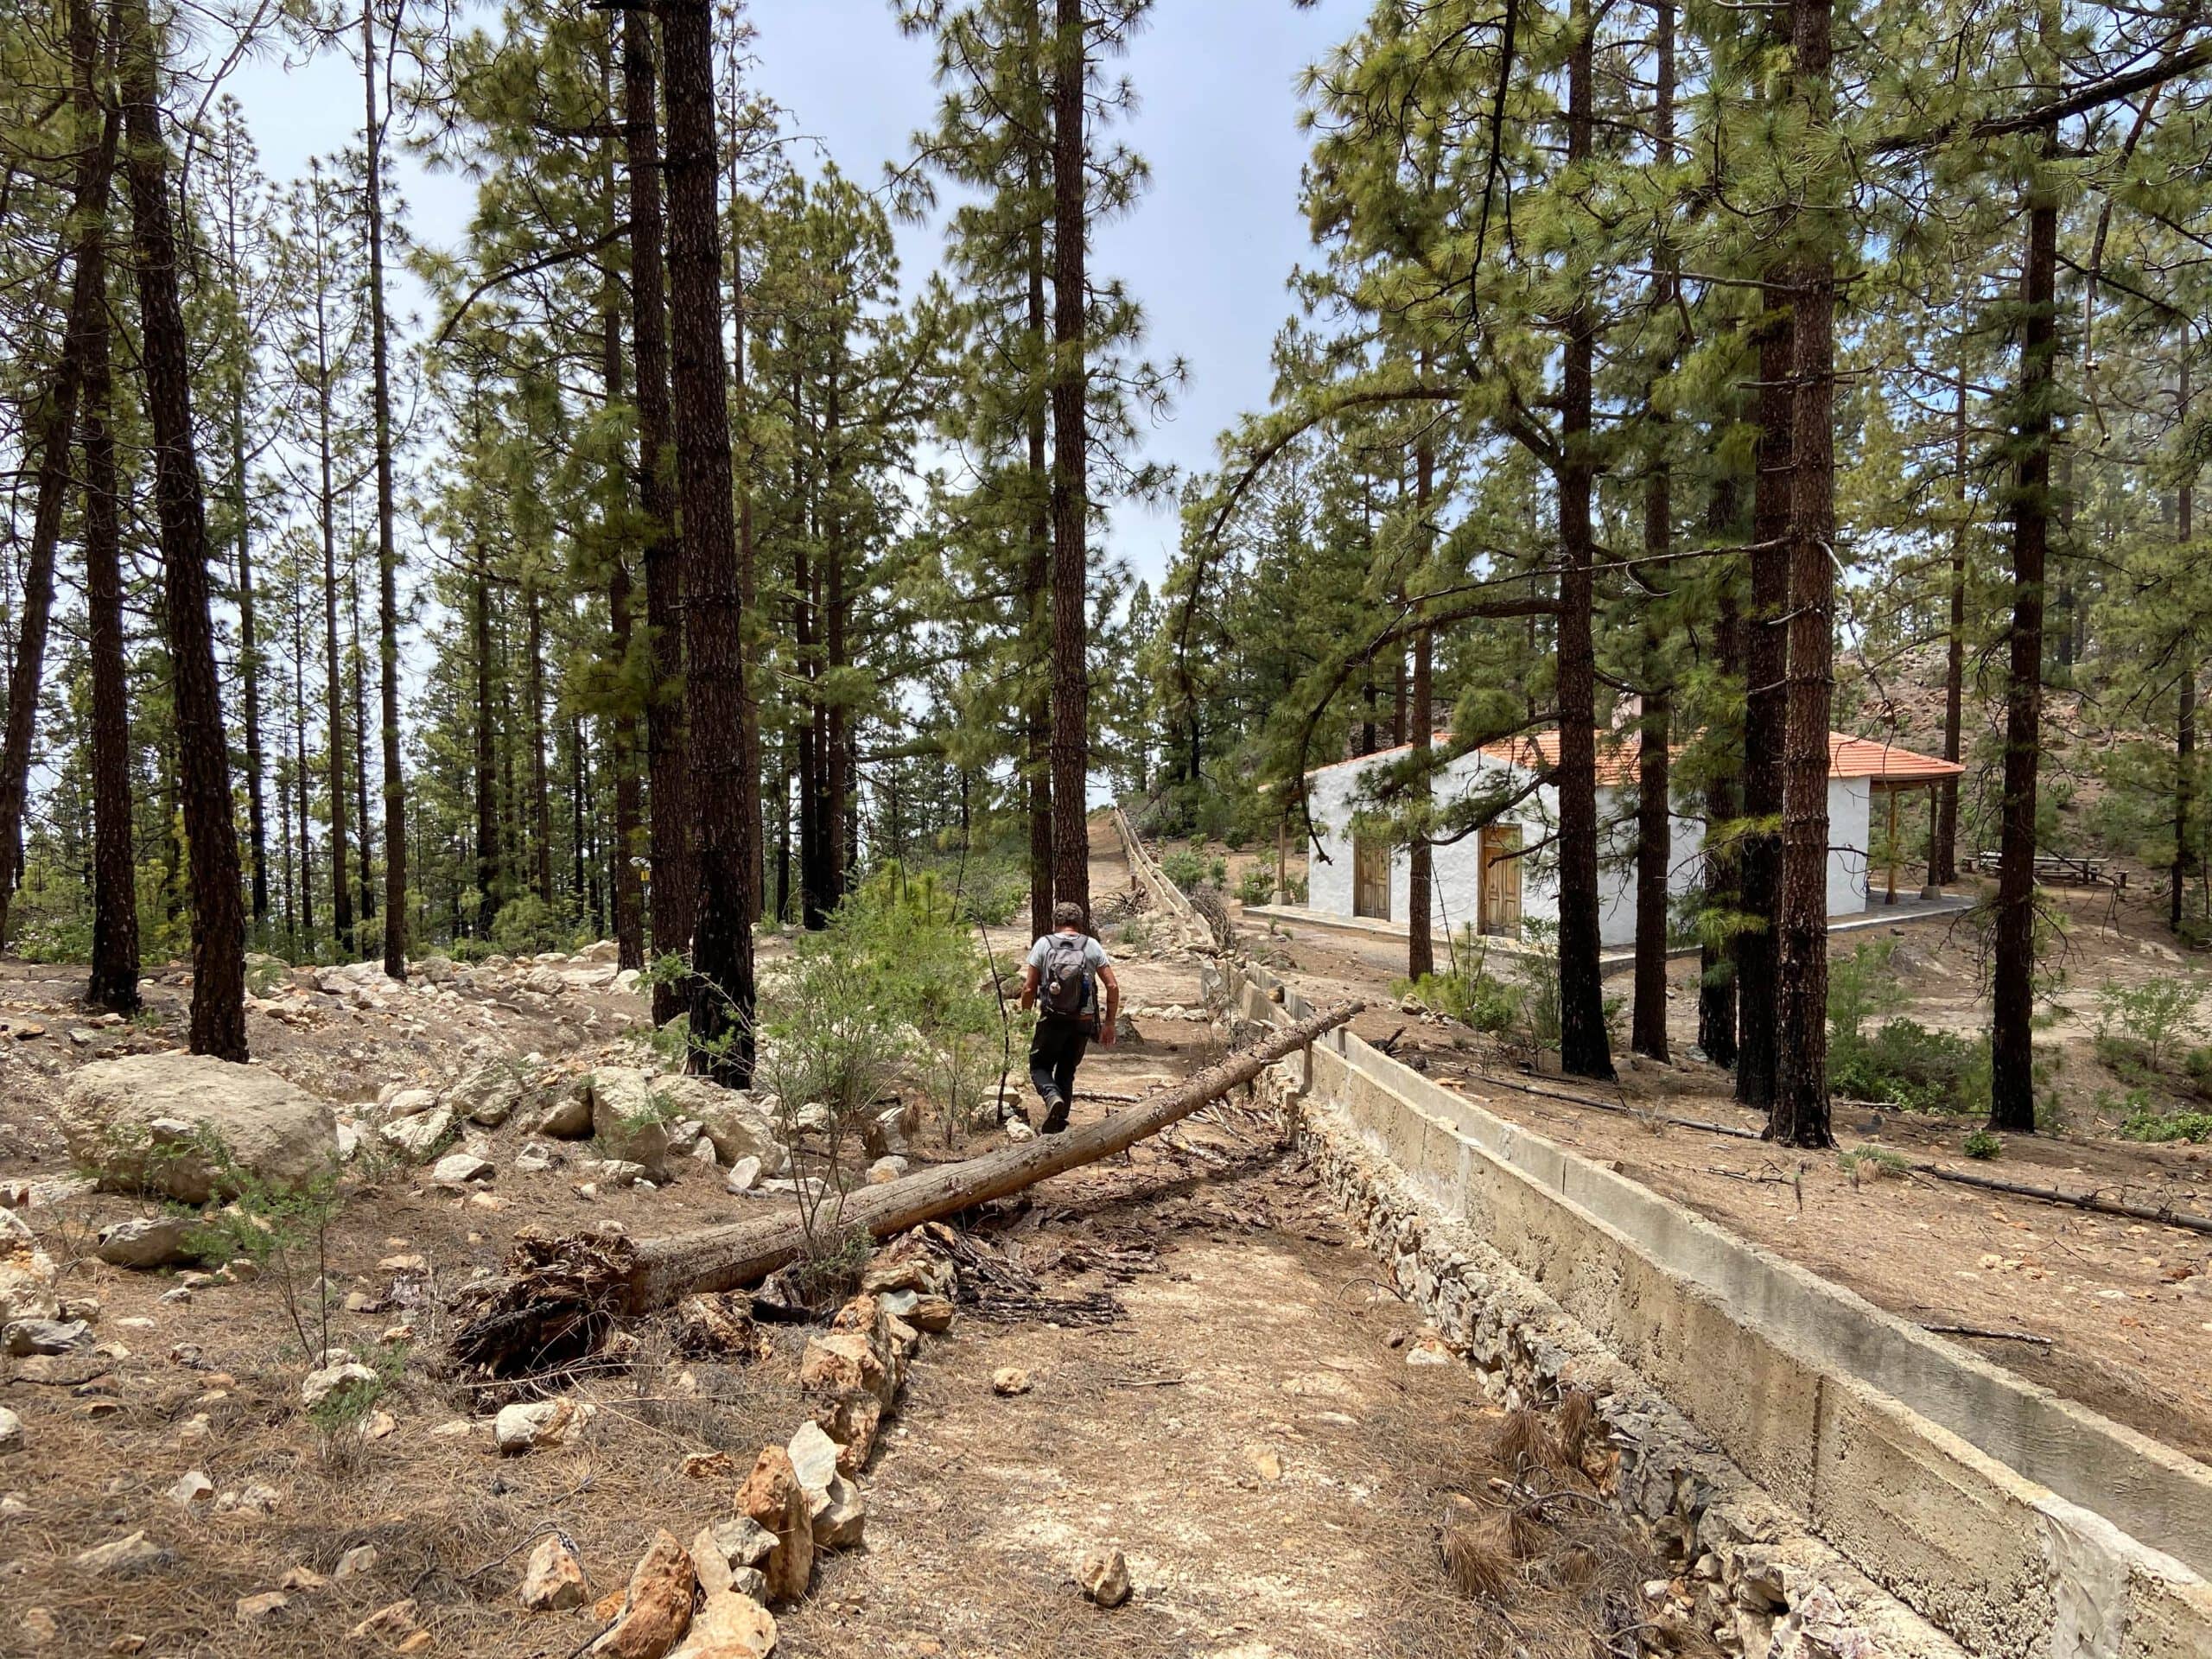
(1205, 252)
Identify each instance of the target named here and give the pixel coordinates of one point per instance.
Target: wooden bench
(2061, 869)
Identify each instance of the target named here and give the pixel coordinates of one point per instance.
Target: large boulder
(631, 1110)
(26, 1275)
(740, 1123)
(193, 1128)
(490, 1095)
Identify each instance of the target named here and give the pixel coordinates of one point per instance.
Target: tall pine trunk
(1071, 531)
(1585, 1048)
(1943, 854)
(395, 792)
(720, 989)
(1655, 822)
(2013, 1096)
(1716, 991)
(1799, 1115)
(341, 897)
(219, 914)
(249, 658)
(1420, 863)
(673, 888)
(115, 875)
(55, 424)
(364, 843)
(1037, 576)
(2185, 689)
(1766, 657)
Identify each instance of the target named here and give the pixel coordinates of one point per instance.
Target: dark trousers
(1054, 1053)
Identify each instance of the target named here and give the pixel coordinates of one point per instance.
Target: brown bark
(1585, 1048)
(1716, 993)
(341, 897)
(541, 793)
(1655, 821)
(718, 1258)
(2012, 1104)
(1766, 661)
(1943, 853)
(629, 802)
(488, 760)
(721, 991)
(218, 913)
(674, 885)
(115, 876)
(2185, 691)
(1420, 863)
(1036, 582)
(1071, 531)
(249, 657)
(54, 424)
(1799, 1115)
(364, 842)
(837, 807)
(395, 794)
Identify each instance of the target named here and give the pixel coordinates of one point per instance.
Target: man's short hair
(1068, 914)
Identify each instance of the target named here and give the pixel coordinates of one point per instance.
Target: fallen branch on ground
(611, 1276)
(1993, 1336)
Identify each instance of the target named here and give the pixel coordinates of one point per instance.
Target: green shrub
(2147, 1123)
(2158, 1015)
(1982, 1144)
(1906, 1063)
(1184, 865)
(525, 926)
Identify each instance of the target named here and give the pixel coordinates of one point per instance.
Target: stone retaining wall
(1756, 1407)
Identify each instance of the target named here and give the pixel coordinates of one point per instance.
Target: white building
(1498, 877)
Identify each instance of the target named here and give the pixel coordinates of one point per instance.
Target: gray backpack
(1063, 984)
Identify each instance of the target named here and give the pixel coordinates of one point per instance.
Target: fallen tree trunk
(564, 1293)
(742, 1253)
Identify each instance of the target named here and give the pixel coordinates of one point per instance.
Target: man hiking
(1061, 980)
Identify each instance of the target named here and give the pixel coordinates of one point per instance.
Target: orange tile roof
(1849, 757)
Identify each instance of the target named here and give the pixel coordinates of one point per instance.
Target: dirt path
(1248, 1432)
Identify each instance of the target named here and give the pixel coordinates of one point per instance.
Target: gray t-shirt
(1094, 954)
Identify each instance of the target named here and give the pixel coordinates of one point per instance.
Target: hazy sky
(1206, 252)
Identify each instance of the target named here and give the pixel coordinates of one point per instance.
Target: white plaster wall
(1459, 867)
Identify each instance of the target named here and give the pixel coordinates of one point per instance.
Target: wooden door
(1500, 855)
(1371, 877)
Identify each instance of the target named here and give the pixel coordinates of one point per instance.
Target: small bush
(2147, 1123)
(1982, 1144)
(1184, 865)
(1257, 885)
(2159, 1015)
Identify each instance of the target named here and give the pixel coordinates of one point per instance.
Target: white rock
(886, 1170)
(1104, 1577)
(23, 1337)
(814, 1457)
(534, 1159)
(459, 1168)
(840, 1516)
(418, 1137)
(135, 1554)
(319, 1386)
(614, 1171)
(408, 1103)
(147, 1121)
(191, 1488)
(525, 1427)
(744, 1175)
(12, 1431)
(147, 1242)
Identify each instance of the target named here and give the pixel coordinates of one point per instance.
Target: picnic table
(2062, 869)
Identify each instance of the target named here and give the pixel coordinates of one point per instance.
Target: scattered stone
(773, 1497)
(23, 1337)
(1017, 1131)
(657, 1610)
(489, 1096)
(814, 1457)
(553, 1581)
(523, 1427)
(183, 1124)
(1265, 1463)
(615, 1171)
(301, 1579)
(844, 1363)
(124, 1557)
(26, 1274)
(1010, 1380)
(408, 1266)
(743, 1176)
(1427, 1349)
(731, 1626)
(884, 1171)
(258, 1499)
(191, 1488)
(251, 1610)
(702, 1152)
(566, 1118)
(839, 1515)
(534, 1159)
(706, 1466)
(1105, 1577)
(408, 1103)
(459, 1168)
(397, 1619)
(147, 1242)
(39, 1626)
(630, 1109)
(12, 1431)
(853, 1421)
(361, 1558)
(932, 1314)
(418, 1136)
(318, 1386)
(726, 1550)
